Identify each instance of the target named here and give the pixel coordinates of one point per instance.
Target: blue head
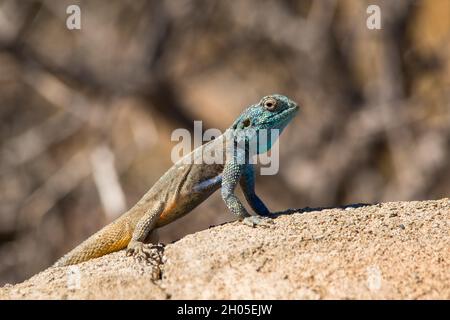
(272, 112)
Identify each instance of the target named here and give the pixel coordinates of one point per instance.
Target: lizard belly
(168, 215)
(180, 207)
(198, 184)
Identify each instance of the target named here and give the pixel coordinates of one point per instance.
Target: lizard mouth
(295, 108)
(288, 113)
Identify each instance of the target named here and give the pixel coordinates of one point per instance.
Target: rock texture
(398, 250)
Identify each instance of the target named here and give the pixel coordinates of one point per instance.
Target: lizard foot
(148, 253)
(253, 221)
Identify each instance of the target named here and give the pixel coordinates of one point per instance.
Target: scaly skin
(188, 183)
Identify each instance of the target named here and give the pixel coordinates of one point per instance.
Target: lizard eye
(270, 104)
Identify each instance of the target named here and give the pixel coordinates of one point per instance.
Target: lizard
(189, 182)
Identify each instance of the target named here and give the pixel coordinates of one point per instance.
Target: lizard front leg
(231, 175)
(144, 227)
(248, 187)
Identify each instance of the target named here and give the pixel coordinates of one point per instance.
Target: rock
(288, 261)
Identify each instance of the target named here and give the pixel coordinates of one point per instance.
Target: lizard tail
(111, 238)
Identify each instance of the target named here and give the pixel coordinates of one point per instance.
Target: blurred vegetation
(86, 115)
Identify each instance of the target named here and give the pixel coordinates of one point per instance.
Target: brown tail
(111, 238)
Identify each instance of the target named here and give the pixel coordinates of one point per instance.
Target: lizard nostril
(246, 123)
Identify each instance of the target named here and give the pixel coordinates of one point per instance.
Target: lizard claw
(150, 254)
(138, 250)
(253, 221)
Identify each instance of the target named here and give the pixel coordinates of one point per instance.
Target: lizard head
(273, 112)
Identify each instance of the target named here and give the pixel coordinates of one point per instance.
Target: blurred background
(86, 115)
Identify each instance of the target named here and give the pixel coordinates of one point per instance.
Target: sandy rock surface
(398, 250)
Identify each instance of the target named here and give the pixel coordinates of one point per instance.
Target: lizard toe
(152, 254)
(149, 254)
(254, 221)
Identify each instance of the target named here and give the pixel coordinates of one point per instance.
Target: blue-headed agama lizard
(188, 183)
